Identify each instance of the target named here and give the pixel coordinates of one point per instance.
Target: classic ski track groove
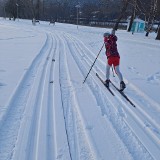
(26, 112)
(16, 111)
(94, 92)
(62, 67)
(138, 116)
(155, 124)
(66, 83)
(34, 148)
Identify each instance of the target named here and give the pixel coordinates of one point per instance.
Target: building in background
(137, 26)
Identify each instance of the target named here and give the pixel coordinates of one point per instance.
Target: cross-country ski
(123, 94)
(104, 84)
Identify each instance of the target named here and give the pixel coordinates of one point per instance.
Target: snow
(47, 112)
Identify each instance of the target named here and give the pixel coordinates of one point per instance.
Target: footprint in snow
(2, 84)
(133, 69)
(89, 127)
(154, 78)
(155, 130)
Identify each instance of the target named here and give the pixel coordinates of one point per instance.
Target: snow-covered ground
(47, 113)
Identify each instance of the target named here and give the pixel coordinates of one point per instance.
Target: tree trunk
(158, 34)
(131, 21)
(148, 27)
(147, 33)
(121, 15)
(37, 9)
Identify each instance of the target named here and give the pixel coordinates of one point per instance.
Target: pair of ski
(121, 92)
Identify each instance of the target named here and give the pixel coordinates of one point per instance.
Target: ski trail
(51, 147)
(86, 54)
(40, 101)
(125, 121)
(47, 118)
(42, 120)
(94, 143)
(74, 131)
(152, 132)
(31, 116)
(62, 70)
(17, 105)
(139, 94)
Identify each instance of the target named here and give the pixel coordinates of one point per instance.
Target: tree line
(103, 10)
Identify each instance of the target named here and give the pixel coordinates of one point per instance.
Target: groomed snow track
(48, 120)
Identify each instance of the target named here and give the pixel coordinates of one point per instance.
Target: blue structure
(138, 25)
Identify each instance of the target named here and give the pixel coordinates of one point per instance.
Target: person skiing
(113, 58)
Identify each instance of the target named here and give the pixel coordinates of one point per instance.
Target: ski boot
(107, 82)
(122, 86)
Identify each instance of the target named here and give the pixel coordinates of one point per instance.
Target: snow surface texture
(47, 113)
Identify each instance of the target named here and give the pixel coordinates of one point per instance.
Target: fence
(87, 22)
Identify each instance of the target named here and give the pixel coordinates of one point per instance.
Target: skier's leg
(122, 84)
(107, 75)
(119, 74)
(107, 71)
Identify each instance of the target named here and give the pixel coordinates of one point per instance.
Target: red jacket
(111, 46)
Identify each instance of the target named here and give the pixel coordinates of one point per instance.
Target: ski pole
(93, 63)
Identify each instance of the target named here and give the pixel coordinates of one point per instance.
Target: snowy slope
(47, 113)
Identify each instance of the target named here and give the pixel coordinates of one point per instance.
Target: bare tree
(123, 10)
(134, 7)
(29, 9)
(38, 5)
(151, 16)
(139, 9)
(89, 10)
(158, 13)
(11, 8)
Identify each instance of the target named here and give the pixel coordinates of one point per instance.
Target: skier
(113, 58)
